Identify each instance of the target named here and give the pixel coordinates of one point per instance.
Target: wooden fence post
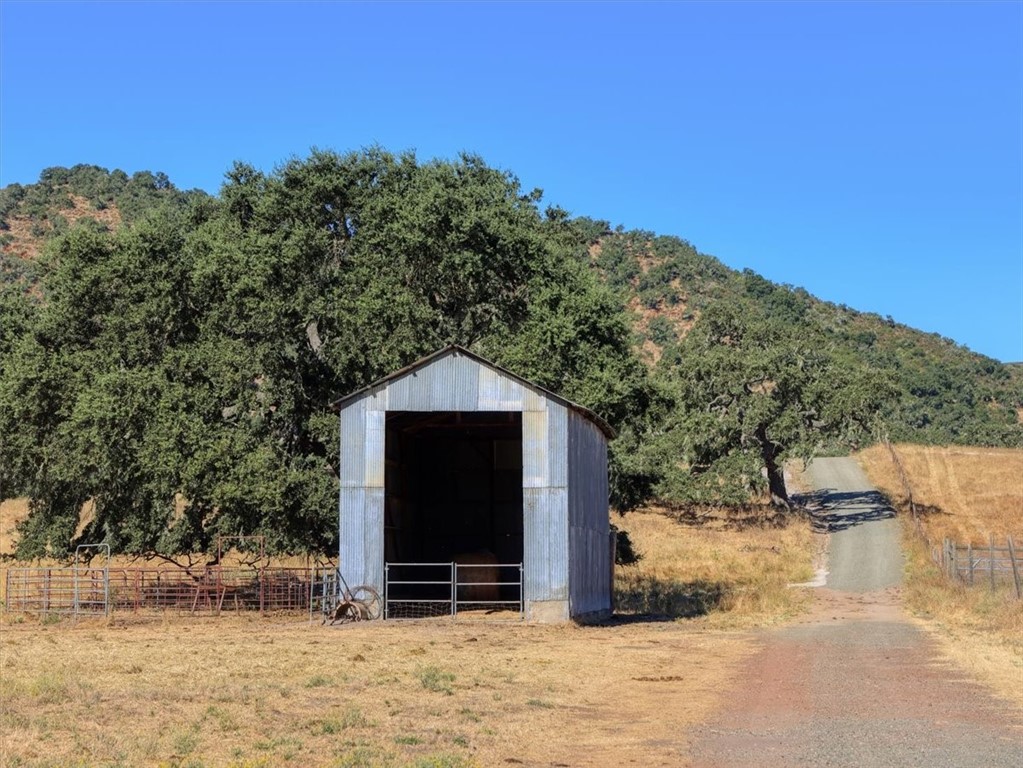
(1015, 568)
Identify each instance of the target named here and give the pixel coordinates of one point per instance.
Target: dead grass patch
(12, 512)
(965, 494)
(249, 692)
(731, 567)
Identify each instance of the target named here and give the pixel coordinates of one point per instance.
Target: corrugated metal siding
(557, 445)
(373, 540)
(498, 392)
(353, 442)
(545, 543)
(352, 558)
(448, 384)
(589, 530)
(535, 469)
(376, 435)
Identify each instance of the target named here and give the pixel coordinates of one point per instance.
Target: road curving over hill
(855, 683)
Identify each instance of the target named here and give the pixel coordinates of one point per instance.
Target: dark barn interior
(453, 486)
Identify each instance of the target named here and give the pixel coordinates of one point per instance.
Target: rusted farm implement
(360, 604)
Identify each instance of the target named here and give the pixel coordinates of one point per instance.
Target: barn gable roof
(455, 349)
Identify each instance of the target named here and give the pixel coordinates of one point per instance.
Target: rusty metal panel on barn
(545, 543)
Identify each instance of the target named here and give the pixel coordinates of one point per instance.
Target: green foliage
(747, 392)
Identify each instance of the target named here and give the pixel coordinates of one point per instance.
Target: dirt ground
(855, 683)
(250, 692)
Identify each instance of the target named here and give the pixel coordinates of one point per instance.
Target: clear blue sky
(870, 152)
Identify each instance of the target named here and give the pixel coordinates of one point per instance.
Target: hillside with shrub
(171, 356)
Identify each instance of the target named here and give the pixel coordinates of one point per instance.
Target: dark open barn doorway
(453, 486)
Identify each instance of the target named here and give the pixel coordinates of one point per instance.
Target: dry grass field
(265, 692)
(12, 512)
(734, 566)
(170, 690)
(965, 494)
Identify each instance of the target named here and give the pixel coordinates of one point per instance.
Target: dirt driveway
(854, 683)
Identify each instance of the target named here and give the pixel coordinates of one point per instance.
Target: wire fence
(967, 564)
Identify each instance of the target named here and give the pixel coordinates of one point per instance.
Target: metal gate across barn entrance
(491, 591)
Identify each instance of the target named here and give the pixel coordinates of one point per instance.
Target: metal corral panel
(545, 543)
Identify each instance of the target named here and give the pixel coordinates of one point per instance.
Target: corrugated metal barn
(456, 455)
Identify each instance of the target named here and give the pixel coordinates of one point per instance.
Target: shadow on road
(832, 510)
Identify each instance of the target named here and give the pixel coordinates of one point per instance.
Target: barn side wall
(589, 529)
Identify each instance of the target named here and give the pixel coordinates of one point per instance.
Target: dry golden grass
(732, 568)
(966, 494)
(12, 512)
(251, 692)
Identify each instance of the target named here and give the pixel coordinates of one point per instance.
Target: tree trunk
(775, 473)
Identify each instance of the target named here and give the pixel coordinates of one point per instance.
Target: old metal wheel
(370, 599)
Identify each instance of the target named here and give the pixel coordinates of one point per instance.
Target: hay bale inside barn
(455, 459)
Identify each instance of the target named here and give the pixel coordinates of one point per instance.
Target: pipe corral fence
(91, 590)
(982, 565)
(412, 590)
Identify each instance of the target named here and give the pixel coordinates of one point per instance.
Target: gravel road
(854, 683)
